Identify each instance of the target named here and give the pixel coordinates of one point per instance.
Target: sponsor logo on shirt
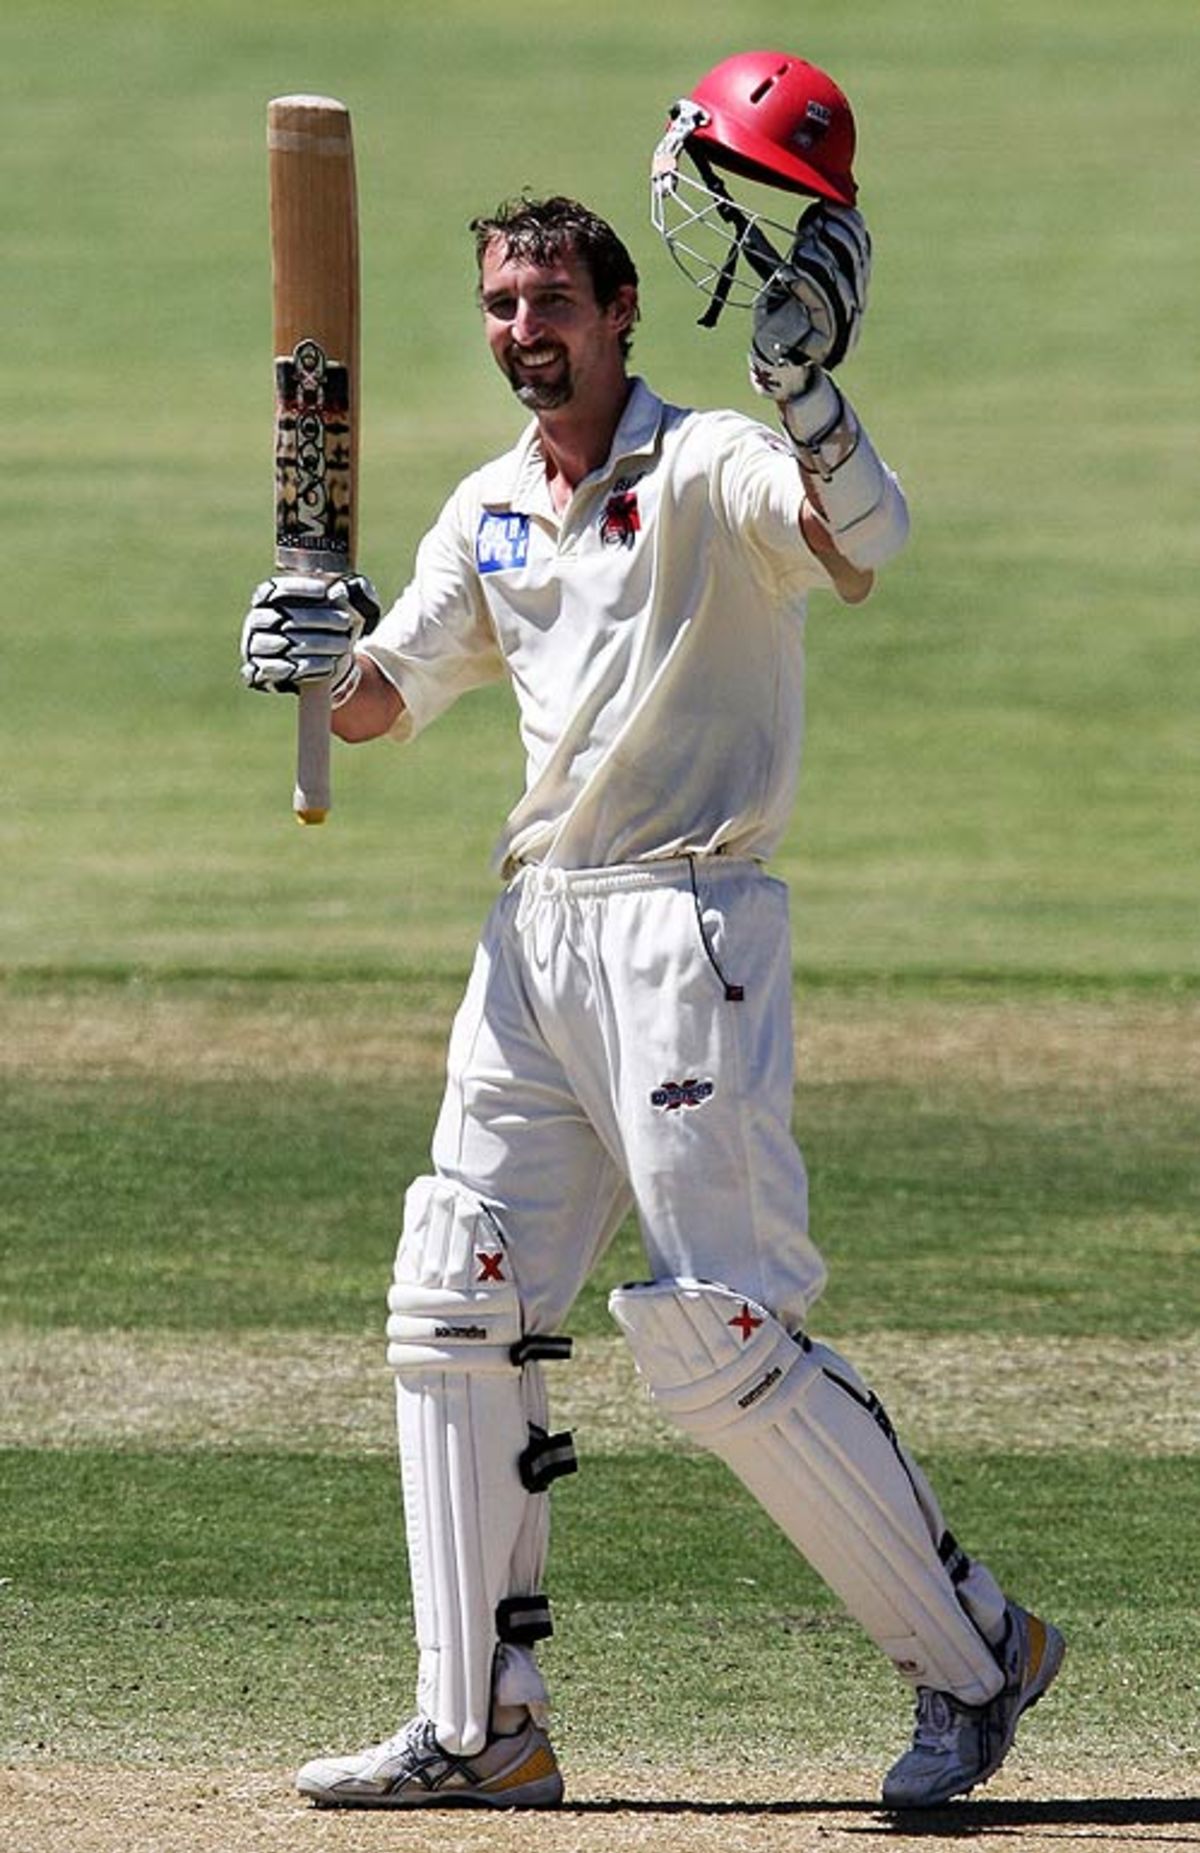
(502, 542)
(619, 518)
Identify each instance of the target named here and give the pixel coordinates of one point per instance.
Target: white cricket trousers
(598, 1063)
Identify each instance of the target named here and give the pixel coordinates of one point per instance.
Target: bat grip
(311, 798)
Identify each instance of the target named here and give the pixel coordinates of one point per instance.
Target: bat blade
(314, 260)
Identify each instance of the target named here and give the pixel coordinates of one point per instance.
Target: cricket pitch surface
(96, 1809)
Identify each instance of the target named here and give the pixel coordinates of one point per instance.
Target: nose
(526, 324)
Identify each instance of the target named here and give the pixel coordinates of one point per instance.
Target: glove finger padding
(810, 312)
(303, 629)
(358, 592)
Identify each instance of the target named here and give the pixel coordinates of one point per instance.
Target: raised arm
(806, 321)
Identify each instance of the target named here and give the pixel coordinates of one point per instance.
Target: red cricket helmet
(765, 117)
(779, 120)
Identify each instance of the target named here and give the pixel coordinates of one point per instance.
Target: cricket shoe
(411, 1770)
(956, 1746)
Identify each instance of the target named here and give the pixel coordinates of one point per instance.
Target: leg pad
(815, 1448)
(475, 1456)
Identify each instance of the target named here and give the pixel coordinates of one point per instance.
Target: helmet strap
(751, 243)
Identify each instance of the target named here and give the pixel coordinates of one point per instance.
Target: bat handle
(311, 798)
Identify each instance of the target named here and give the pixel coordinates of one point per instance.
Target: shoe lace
(415, 1737)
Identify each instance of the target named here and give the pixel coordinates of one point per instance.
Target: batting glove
(301, 629)
(810, 312)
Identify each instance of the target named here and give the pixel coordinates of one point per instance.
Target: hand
(810, 312)
(304, 629)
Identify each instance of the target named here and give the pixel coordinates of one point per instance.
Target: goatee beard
(542, 395)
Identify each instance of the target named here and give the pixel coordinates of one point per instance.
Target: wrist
(808, 414)
(346, 685)
(778, 379)
(822, 427)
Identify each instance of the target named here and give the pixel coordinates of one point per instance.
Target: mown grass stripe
(940, 980)
(77, 1389)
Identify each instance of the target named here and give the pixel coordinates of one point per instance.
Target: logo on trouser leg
(672, 1095)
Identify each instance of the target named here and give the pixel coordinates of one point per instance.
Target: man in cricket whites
(640, 572)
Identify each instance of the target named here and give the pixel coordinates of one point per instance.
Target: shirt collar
(524, 486)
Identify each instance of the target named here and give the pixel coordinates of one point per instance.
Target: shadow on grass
(963, 1820)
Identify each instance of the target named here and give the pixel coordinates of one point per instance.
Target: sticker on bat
(313, 453)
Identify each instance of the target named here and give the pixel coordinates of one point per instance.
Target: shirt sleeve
(437, 640)
(759, 493)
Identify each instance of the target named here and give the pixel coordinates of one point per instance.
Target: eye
(503, 308)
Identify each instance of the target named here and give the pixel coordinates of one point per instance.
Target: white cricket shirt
(653, 634)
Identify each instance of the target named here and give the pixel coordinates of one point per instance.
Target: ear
(623, 309)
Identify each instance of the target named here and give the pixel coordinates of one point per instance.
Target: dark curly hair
(540, 231)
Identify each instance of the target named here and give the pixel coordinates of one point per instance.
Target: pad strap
(546, 1459)
(544, 1345)
(522, 1621)
(953, 1556)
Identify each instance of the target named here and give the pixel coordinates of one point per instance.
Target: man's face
(549, 335)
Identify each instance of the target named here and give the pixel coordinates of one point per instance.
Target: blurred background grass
(1003, 770)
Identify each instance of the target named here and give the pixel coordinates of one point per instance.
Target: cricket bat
(314, 261)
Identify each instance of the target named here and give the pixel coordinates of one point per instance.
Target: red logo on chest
(620, 521)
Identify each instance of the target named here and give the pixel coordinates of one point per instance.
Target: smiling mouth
(536, 359)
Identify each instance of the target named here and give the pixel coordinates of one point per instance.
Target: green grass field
(220, 1036)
